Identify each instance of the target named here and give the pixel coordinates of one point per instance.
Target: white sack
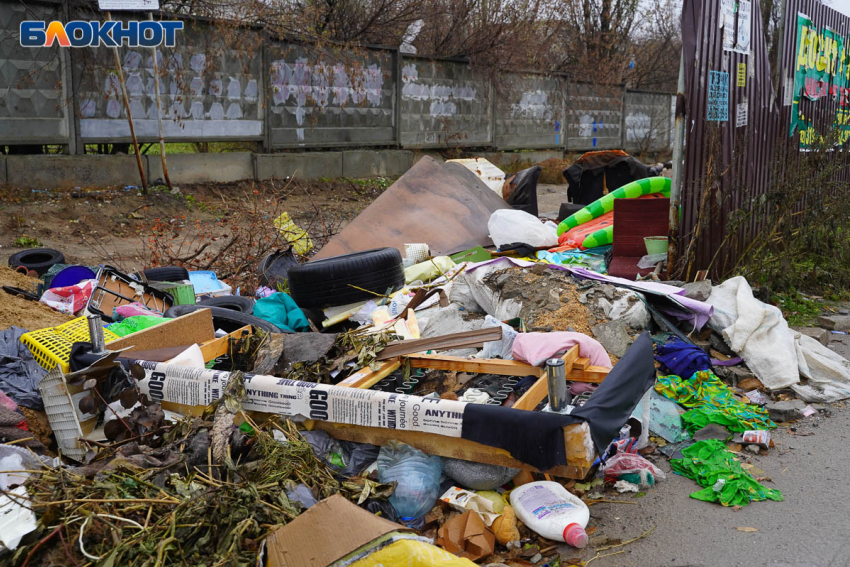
(757, 332)
(507, 226)
(777, 355)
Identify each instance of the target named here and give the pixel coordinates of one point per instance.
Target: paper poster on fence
(718, 96)
(736, 21)
(291, 398)
(741, 114)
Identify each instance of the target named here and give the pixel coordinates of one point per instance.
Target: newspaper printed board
(290, 398)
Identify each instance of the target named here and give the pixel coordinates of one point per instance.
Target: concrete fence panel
(211, 88)
(331, 97)
(444, 104)
(34, 105)
(530, 111)
(594, 117)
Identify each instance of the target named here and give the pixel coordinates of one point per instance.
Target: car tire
(38, 259)
(165, 274)
(233, 302)
(225, 319)
(329, 281)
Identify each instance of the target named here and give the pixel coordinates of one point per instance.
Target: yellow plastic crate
(52, 346)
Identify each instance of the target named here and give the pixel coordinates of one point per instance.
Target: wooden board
(194, 328)
(366, 377)
(445, 205)
(478, 366)
(575, 437)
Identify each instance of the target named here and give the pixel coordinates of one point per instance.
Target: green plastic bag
(707, 462)
(136, 323)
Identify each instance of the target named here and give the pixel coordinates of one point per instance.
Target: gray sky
(842, 6)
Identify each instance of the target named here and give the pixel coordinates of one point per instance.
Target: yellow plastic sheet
(412, 553)
(297, 237)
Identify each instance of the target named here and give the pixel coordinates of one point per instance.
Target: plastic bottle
(551, 511)
(418, 477)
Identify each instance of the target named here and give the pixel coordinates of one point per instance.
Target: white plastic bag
(507, 226)
(503, 348)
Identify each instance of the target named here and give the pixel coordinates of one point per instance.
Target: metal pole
(556, 378)
(159, 114)
(98, 343)
(678, 157)
(129, 116)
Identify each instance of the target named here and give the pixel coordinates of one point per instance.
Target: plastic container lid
(72, 275)
(205, 282)
(575, 536)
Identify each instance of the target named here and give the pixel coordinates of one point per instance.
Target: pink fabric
(8, 402)
(535, 348)
(133, 309)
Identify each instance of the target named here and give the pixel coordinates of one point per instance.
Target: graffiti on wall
(822, 74)
(443, 97)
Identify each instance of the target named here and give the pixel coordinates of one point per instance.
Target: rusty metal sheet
(443, 204)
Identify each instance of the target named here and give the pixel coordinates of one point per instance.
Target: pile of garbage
(427, 402)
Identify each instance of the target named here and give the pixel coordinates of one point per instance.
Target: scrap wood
(466, 339)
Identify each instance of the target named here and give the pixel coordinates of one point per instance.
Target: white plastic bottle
(551, 511)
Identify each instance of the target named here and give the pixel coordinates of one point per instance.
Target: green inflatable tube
(606, 204)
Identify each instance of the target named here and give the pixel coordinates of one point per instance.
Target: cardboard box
(328, 531)
(466, 536)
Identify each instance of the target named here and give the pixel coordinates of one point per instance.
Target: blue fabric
(681, 358)
(281, 310)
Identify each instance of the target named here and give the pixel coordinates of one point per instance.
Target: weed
(27, 242)
(797, 308)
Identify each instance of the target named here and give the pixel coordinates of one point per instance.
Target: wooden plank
(581, 363)
(478, 366)
(458, 448)
(221, 346)
(466, 339)
(366, 377)
(593, 374)
(194, 328)
(539, 390)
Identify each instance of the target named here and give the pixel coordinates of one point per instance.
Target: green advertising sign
(822, 74)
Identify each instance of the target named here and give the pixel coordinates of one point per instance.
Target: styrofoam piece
(492, 176)
(16, 521)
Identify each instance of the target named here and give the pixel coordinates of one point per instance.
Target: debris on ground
(415, 392)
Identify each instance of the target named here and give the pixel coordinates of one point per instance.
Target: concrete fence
(221, 84)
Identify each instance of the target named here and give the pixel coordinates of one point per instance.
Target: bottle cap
(575, 536)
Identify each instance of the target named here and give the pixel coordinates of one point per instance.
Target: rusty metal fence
(225, 84)
(737, 126)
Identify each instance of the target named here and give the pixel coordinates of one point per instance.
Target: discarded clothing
(711, 402)
(681, 358)
(708, 462)
(19, 372)
(281, 310)
(535, 348)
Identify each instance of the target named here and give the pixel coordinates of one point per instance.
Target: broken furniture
(634, 220)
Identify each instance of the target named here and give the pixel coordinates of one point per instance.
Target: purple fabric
(730, 362)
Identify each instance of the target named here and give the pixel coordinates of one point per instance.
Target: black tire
(225, 319)
(38, 259)
(326, 282)
(166, 274)
(232, 302)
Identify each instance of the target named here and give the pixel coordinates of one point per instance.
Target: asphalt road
(810, 528)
